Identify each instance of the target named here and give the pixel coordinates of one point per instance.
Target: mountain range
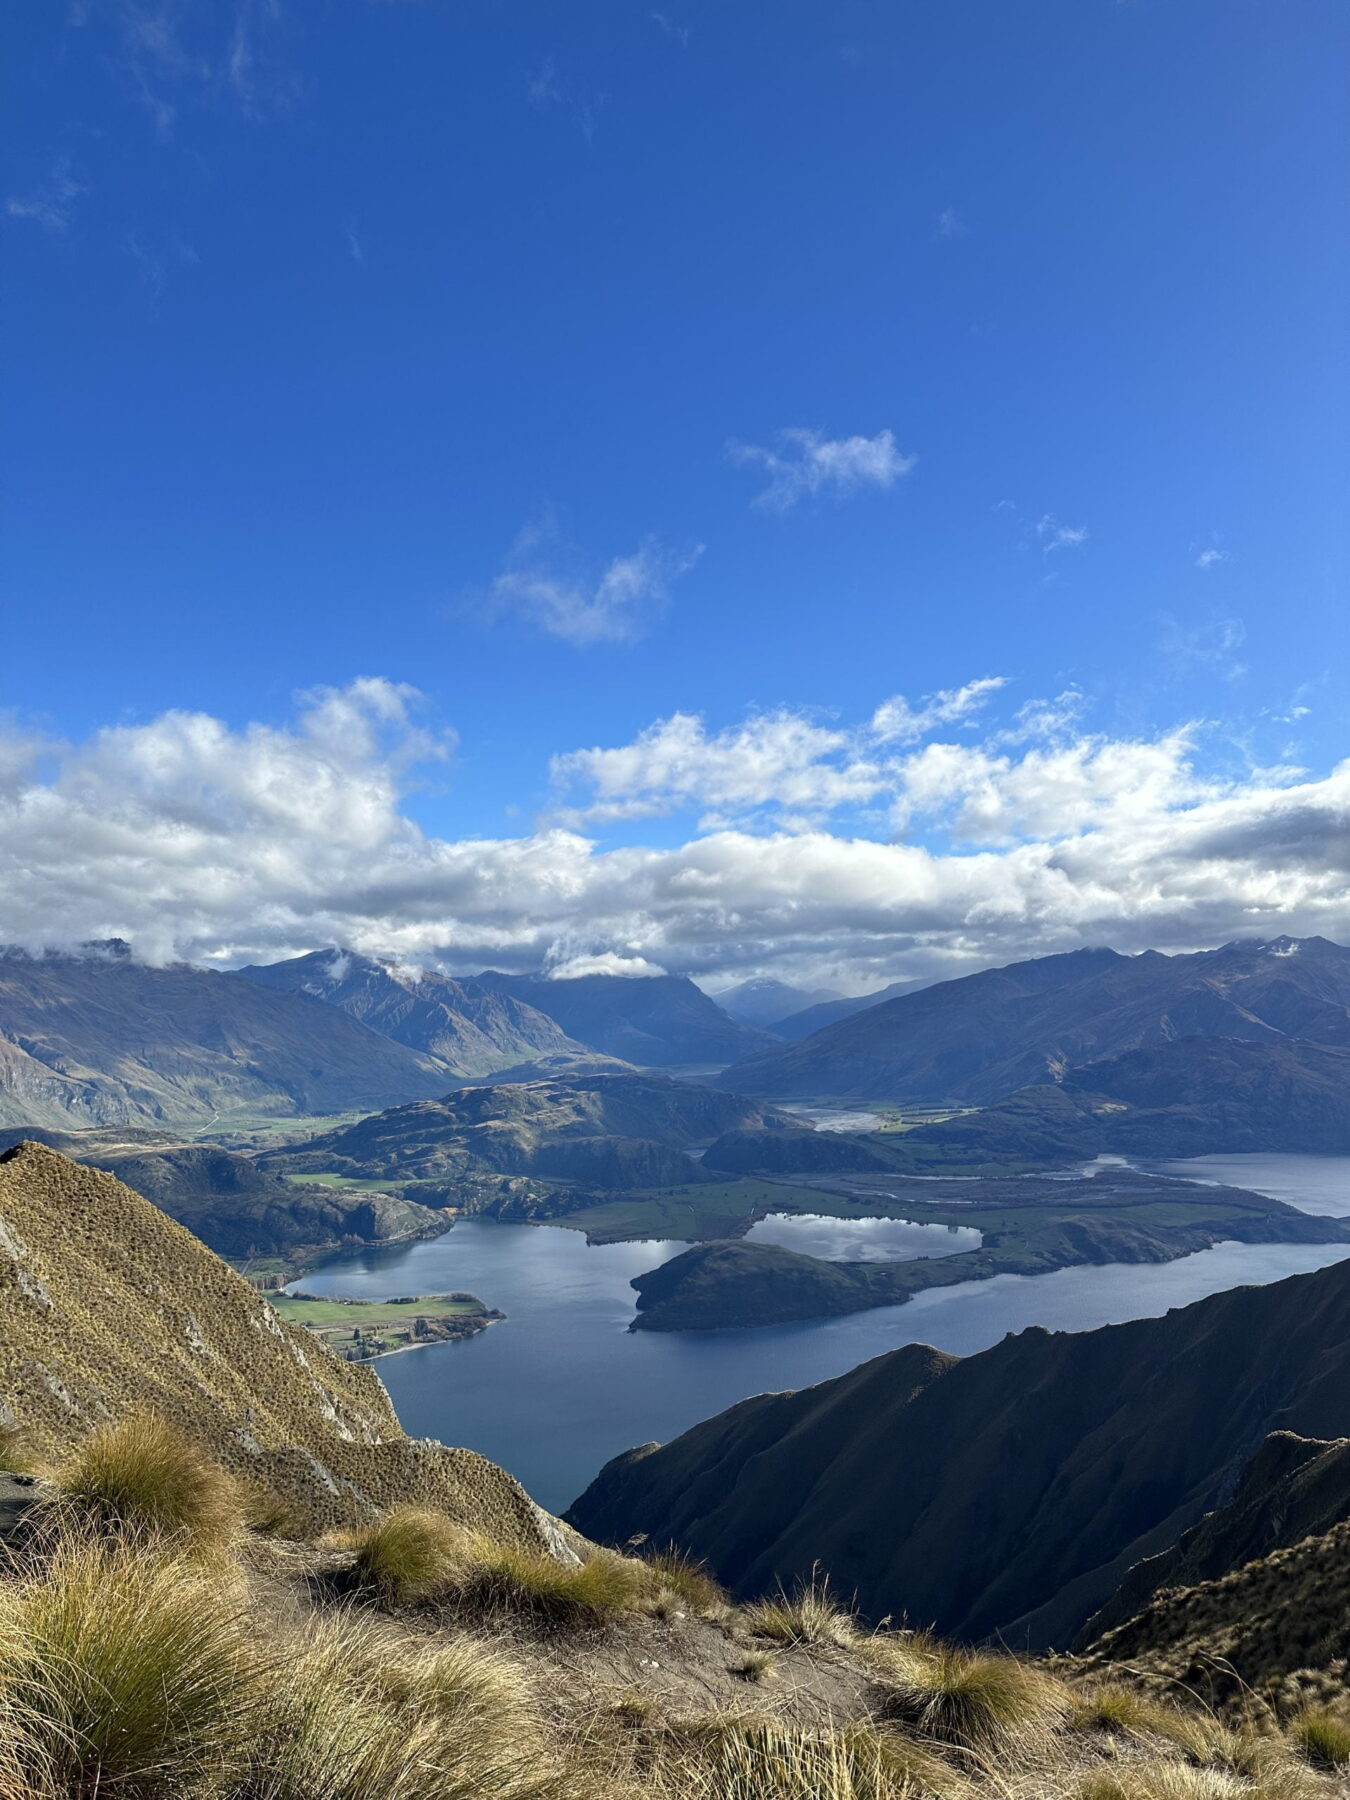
(763, 1001)
(979, 1038)
(101, 1039)
(470, 1027)
(1005, 1494)
(96, 1038)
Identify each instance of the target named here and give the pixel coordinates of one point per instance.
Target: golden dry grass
(145, 1480)
(981, 1702)
(807, 1615)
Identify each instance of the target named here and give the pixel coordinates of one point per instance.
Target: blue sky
(584, 367)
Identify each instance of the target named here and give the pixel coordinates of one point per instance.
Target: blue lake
(563, 1385)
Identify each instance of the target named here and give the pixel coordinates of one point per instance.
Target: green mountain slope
(607, 1130)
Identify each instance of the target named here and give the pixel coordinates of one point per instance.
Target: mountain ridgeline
(101, 1039)
(977, 1039)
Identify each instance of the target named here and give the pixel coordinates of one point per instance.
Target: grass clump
(144, 1480)
(505, 1577)
(981, 1702)
(1156, 1779)
(412, 1556)
(344, 1725)
(808, 1615)
(1322, 1734)
(1126, 1712)
(125, 1674)
(755, 1665)
(16, 1455)
(687, 1582)
(408, 1555)
(761, 1759)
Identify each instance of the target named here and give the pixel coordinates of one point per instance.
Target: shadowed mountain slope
(109, 1308)
(655, 1020)
(980, 1038)
(1293, 1488)
(1006, 1493)
(100, 1039)
(471, 1028)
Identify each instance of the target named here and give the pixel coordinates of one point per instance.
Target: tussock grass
(689, 1582)
(468, 1687)
(16, 1455)
(409, 1554)
(144, 1480)
(764, 1759)
(1322, 1733)
(507, 1578)
(126, 1674)
(808, 1615)
(981, 1702)
(1126, 1712)
(339, 1729)
(755, 1665)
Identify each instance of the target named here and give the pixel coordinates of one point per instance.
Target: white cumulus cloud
(804, 464)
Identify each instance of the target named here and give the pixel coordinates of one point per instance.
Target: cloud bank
(828, 850)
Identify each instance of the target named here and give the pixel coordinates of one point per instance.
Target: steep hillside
(1006, 1493)
(100, 1039)
(978, 1039)
(656, 1021)
(1293, 1488)
(1277, 1626)
(110, 1308)
(471, 1028)
(609, 1130)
